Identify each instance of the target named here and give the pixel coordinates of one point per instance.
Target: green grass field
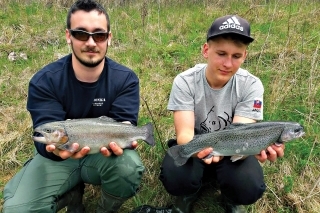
(158, 40)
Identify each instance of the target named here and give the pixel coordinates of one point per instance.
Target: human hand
(115, 149)
(271, 153)
(64, 154)
(204, 153)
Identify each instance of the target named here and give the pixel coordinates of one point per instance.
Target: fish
(238, 140)
(92, 132)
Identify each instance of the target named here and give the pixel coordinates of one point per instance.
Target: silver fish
(238, 140)
(92, 132)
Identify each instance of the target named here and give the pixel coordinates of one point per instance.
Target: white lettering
(231, 25)
(98, 101)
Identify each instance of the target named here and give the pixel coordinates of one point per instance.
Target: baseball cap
(230, 24)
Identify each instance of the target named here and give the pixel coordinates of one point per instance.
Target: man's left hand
(271, 153)
(115, 149)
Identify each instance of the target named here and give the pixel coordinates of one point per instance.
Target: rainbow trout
(238, 140)
(92, 132)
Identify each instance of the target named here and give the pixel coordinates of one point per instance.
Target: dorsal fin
(105, 118)
(235, 125)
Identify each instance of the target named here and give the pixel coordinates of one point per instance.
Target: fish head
(50, 134)
(292, 130)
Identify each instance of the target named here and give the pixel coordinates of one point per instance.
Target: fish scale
(238, 139)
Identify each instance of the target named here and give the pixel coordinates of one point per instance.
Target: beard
(88, 62)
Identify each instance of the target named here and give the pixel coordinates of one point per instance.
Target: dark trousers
(241, 182)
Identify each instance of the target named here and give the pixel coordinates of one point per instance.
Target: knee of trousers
(178, 183)
(244, 193)
(181, 187)
(14, 207)
(124, 177)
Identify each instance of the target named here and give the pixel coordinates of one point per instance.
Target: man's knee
(244, 192)
(13, 206)
(125, 176)
(251, 194)
(180, 181)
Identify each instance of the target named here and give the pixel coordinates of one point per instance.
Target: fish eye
(47, 130)
(297, 130)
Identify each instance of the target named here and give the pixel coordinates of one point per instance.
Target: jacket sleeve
(44, 107)
(125, 107)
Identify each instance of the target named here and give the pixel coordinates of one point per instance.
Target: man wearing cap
(209, 97)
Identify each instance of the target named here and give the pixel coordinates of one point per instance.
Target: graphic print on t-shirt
(215, 123)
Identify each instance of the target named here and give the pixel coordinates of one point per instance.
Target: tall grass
(158, 40)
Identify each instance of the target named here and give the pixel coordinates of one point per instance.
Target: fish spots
(245, 147)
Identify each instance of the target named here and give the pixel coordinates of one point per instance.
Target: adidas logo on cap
(233, 23)
(230, 24)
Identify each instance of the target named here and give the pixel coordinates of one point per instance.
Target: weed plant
(158, 40)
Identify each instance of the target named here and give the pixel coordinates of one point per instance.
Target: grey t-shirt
(215, 108)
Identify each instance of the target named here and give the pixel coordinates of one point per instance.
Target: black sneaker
(229, 208)
(151, 209)
(72, 200)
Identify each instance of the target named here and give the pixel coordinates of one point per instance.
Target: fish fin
(234, 158)
(174, 152)
(235, 125)
(208, 156)
(213, 153)
(150, 138)
(105, 118)
(278, 143)
(67, 147)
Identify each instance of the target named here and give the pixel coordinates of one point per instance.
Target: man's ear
(109, 38)
(245, 56)
(205, 50)
(68, 36)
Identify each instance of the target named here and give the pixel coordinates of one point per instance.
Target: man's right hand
(204, 153)
(64, 154)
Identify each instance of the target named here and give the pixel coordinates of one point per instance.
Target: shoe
(72, 200)
(151, 209)
(109, 203)
(230, 208)
(183, 204)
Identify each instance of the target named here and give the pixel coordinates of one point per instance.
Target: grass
(158, 40)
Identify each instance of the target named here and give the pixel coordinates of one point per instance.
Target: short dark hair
(87, 5)
(233, 37)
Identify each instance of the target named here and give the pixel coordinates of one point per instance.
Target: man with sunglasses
(84, 84)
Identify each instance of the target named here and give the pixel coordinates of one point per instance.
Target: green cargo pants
(41, 182)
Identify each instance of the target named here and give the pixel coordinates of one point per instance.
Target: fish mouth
(40, 139)
(38, 136)
(300, 134)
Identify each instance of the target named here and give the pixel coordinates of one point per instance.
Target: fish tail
(149, 137)
(174, 152)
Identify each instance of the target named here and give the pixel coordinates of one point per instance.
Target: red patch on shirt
(257, 104)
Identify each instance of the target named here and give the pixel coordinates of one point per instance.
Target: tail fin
(149, 136)
(174, 152)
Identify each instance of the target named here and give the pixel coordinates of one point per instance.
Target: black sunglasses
(84, 35)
